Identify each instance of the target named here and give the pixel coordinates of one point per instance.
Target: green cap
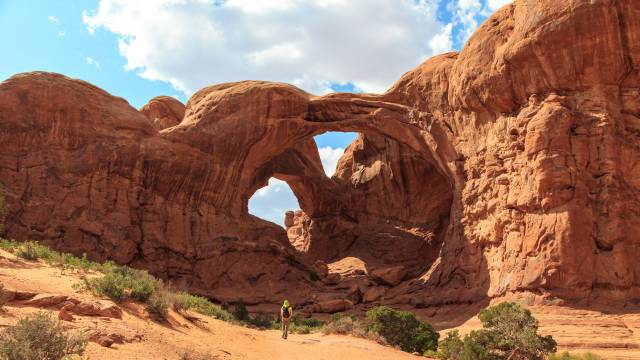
(286, 303)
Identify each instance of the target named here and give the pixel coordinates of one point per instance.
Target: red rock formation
(508, 169)
(164, 111)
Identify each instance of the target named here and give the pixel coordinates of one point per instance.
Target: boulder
(65, 315)
(333, 306)
(321, 268)
(391, 276)
(332, 279)
(373, 294)
(97, 308)
(48, 300)
(354, 294)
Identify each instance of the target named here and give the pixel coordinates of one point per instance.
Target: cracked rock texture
(511, 168)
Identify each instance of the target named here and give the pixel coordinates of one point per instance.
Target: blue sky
(144, 48)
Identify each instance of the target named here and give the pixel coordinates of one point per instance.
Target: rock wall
(541, 107)
(509, 169)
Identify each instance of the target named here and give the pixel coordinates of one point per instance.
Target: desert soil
(611, 334)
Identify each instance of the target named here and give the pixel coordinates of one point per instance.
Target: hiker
(286, 311)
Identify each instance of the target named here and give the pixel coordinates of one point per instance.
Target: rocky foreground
(510, 169)
(127, 331)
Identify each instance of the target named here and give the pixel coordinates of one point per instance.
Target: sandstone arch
(536, 133)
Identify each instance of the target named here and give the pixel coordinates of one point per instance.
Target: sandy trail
(168, 341)
(610, 334)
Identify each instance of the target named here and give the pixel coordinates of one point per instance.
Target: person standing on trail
(286, 312)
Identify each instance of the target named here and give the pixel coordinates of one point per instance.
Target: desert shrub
(39, 336)
(401, 328)
(199, 304)
(339, 315)
(262, 320)
(240, 312)
(451, 347)
(32, 250)
(158, 305)
(569, 356)
(431, 354)
(75, 262)
(118, 282)
(299, 324)
(28, 251)
(310, 322)
(9, 245)
(341, 325)
(509, 332)
(302, 325)
(121, 282)
(189, 355)
(512, 330)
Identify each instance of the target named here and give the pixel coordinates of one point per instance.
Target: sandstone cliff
(509, 169)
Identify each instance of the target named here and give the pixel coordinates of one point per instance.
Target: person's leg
(283, 327)
(286, 329)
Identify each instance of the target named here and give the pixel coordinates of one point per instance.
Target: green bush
(186, 301)
(32, 250)
(568, 356)
(310, 322)
(39, 336)
(122, 282)
(158, 305)
(240, 312)
(28, 251)
(509, 332)
(262, 320)
(511, 329)
(119, 282)
(401, 328)
(9, 245)
(301, 325)
(343, 325)
(451, 347)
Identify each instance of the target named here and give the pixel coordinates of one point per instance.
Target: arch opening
(331, 146)
(273, 201)
(386, 203)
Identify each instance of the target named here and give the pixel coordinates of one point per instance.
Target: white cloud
(329, 157)
(54, 19)
(93, 62)
(61, 33)
(272, 201)
(442, 41)
(497, 4)
(314, 43)
(274, 186)
(466, 15)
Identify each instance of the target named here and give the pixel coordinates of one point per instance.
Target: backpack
(285, 312)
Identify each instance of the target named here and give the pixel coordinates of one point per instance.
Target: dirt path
(168, 341)
(607, 333)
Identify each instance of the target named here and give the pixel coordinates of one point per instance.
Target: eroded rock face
(510, 168)
(164, 111)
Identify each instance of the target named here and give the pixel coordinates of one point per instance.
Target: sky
(144, 48)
